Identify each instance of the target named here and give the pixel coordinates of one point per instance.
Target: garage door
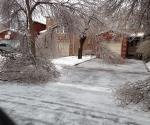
(63, 47)
(114, 46)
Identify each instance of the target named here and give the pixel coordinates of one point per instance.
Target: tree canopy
(79, 17)
(134, 13)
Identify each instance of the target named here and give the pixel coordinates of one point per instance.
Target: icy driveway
(96, 73)
(82, 96)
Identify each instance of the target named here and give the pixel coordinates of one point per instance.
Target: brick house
(8, 34)
(120, 43)
(117, 42)
(11, 37)
(71, 44)
(39, 26)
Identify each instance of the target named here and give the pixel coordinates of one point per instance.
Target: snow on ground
(148, 66)
(96, 73)
(58, 104)
(134, 66)
(82, 96)
(71, 60)
(99, 78)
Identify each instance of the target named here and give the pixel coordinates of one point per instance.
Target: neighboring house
(9, 36)
(124, 45)
(12, 34)
(133, 40)
(39, 26)
(69, 45)
(117, 42)
(123, 42)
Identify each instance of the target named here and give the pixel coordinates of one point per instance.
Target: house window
(61, 30)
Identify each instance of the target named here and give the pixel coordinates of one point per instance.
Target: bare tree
(131, 13)
(108, 56)
(137, 93)
(75, 15)
(79, 17)
(134, 15)
(23, 68)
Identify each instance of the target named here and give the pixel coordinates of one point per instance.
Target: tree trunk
(79, 53)
(31, 30)
(82, 40)
(32, 37)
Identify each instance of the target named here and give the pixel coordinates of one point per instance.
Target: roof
(111, 31)
(141, 34)
(39, 22)
(127, 33)
(39, 19)
(43, 31)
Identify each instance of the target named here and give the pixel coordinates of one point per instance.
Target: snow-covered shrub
(137, 93)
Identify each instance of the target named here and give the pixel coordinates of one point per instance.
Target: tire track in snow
(67, 108)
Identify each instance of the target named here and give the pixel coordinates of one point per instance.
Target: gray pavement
(96, 73)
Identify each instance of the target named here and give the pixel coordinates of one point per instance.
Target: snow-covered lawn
(71, 60)
(82, 96)
(134, 66)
